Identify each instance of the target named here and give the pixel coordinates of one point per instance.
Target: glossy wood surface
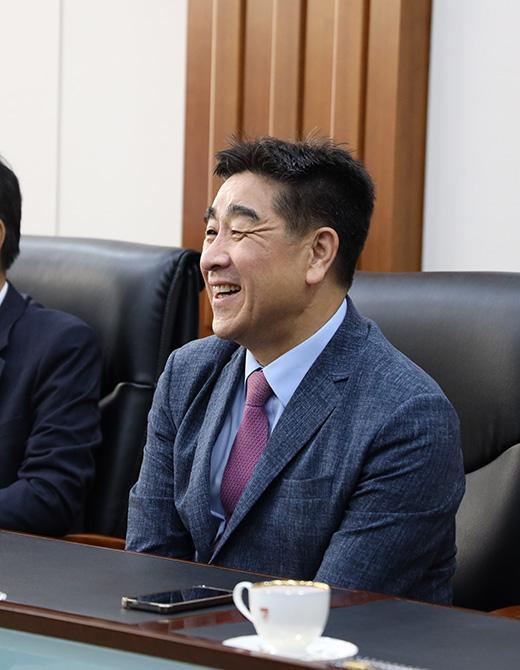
(96, 540)
(512, 612)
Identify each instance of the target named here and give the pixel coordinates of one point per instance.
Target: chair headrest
(463, 328)
(130, 294)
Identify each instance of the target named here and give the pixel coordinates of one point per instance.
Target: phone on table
(166, 602)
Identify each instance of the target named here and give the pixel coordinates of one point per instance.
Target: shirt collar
(3, 292)
(286, 372)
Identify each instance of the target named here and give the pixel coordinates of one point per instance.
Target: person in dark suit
(50, 370)
(297, 441)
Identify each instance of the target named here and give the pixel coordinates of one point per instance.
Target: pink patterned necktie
(249, 443)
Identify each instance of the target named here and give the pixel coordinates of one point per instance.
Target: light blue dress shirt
(284, 375)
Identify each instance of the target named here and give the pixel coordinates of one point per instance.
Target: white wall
(92, 120)
(92, 115)
(472, 198)
(29, 102)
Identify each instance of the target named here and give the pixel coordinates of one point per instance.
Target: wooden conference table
(67, 591)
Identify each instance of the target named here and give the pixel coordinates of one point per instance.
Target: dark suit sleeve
(154, 524)
(399, 522)
(49, 494)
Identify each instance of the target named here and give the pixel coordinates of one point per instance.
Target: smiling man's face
(254, 269)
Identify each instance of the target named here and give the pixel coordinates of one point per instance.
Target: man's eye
(237, 233)
(210, 232)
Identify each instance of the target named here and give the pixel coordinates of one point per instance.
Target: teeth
(225, 288)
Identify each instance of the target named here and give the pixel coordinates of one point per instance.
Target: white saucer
(322, 649)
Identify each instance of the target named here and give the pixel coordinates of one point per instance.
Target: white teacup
(288, 615)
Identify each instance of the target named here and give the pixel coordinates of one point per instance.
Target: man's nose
(214, 255)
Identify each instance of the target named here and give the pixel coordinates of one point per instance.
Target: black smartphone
(167, 602)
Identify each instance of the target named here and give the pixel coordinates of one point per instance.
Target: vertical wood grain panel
(213, 101)
(412, 100)
(225, 97)
(334, 78)
(213, 108)
(272, 68)
(397, 80)
(286, 69)
(318, 64)
(258, 50)
(226, 80)
(380, 126)
(196, 148)
(353, 69)
(349, 73)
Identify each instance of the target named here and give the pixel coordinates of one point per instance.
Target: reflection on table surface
(24, 651)
(70, 591)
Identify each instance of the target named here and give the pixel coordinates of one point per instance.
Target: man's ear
(323, 249)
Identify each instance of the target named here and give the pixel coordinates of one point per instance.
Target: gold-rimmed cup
(288, 615)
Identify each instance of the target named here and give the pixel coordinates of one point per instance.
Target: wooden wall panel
(395, 127)
(226, 80)
(334, 75)
(272, 66)
(412, 105)
(349, 74)
(258, 55)
(198, 89)
(287, 69)
(318, 67)
(213, 105)
(213, 109)
(353, 69)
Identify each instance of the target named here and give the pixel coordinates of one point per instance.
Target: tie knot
(258, 390)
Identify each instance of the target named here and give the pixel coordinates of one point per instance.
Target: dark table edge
(124, 637)
(155, 638)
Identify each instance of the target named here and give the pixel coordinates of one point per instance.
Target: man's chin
(223, 330)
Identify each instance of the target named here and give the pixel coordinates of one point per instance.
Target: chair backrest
(463, 328)
(142, 301)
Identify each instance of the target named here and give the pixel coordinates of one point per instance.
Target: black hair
(322, 184)
(10, 214)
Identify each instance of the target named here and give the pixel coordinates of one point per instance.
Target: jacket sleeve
(400, 521)
(49, 493)
(154, 524)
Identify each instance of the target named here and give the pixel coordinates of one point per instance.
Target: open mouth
(224, 290)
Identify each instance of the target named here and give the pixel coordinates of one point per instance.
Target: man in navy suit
(361, 475)
(50, 370)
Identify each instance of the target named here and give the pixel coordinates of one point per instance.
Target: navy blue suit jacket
(358, 484)
(50, 369)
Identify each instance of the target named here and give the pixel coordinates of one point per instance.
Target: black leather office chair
(142, 301)
(463, 328)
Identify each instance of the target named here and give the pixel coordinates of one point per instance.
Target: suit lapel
(312, 403)
(307, 410)
(203, 525)
(12, 308)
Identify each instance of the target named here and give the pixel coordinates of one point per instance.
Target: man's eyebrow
(233, 210)
(242, 210)
(209, 214)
